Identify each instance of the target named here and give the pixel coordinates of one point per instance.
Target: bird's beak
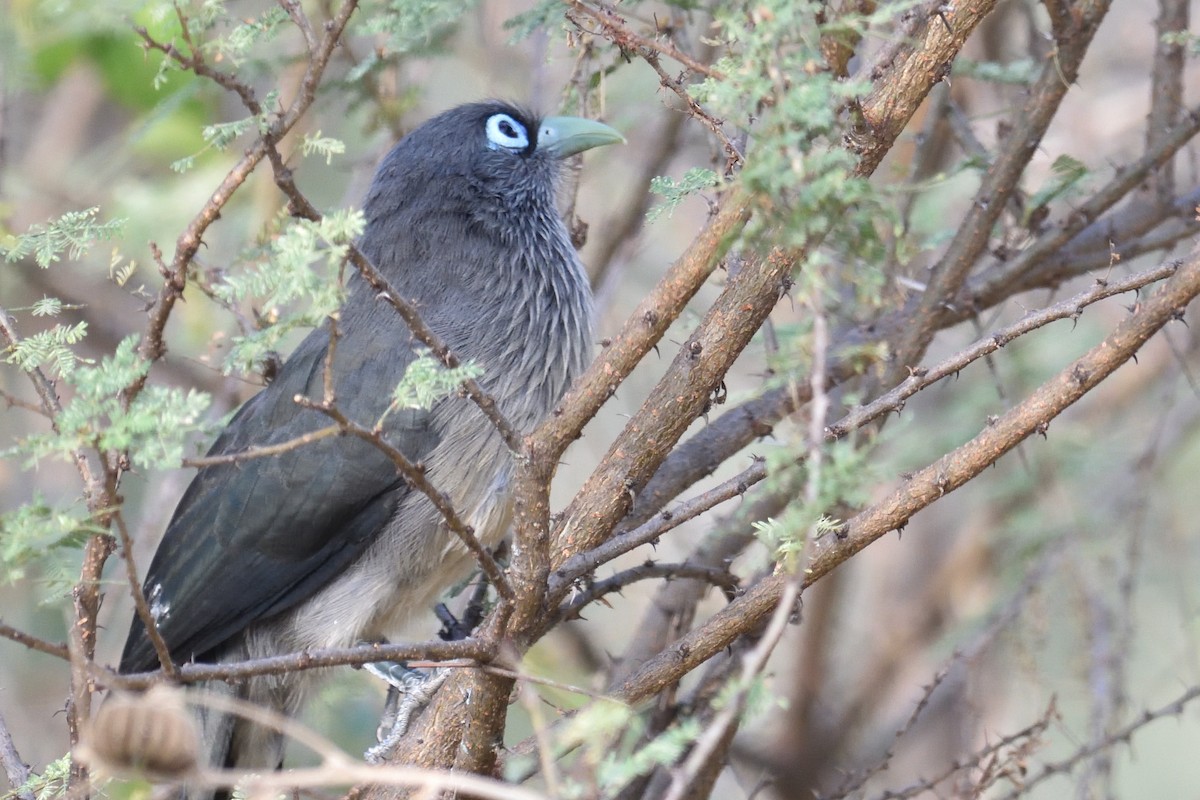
(566, 136)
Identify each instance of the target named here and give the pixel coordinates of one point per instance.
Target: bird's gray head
(490, 164)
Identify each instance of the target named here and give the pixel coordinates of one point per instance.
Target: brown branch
(415, 476)
(923, 377)
(630, 538)
(149, 622)
(926, 486)
(85, 595)
(714, 576)
(700, 455)
(838, 47)
(644, 328)
(153, 347)
(903, 75)
(58, 650)
(619, 33)
(696, 372)
(266, 451)
(614, 28)
(725, 721)
(1166, 86)
(1124, 734)
(81, 643)
(998, 185)
(679, 397)
(15, 768)
(474, 649)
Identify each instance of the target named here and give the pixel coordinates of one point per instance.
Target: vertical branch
(14, 767)
(999, 183)
(1166, 89)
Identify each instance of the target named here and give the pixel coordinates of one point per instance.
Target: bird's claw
(409, 691)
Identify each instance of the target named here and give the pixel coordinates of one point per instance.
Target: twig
(997, 624)
(15, 402)
(437, 650)
(927, 485)
(624, 541)
(58, 650)
(14, 767)
(1029, 733)
(415, 476)
(149, 622)
(1123, 734)
(153, 347)
(614, 29)
(623, 37)
(296, 11)
(93, 489)
(923, 377)
(752, 665)
(265, 451)
(722, 578)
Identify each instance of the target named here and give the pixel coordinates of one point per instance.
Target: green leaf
(693, 181)
(295, 281)
(73, 233)
(51, 347)
(34, 530)
(316, 143)
(427, 380)
(1067, 174)
(153, 429)
(47, 307)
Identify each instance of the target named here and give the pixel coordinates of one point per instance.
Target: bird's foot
(409, 691)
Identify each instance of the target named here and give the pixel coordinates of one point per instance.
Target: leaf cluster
(294, 281)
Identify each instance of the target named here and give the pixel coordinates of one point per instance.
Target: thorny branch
(919, 59)
(14, 767)
(648, 571)
(415, 476)
(1125, 734)
(34, 643)
(925, 486)
(473, 649)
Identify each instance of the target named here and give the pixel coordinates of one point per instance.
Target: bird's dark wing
(254, 538)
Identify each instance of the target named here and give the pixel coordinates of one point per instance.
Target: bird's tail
(240, 739)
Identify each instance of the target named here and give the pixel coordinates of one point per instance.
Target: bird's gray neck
(503, 287)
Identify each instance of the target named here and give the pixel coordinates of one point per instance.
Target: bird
(325, 544)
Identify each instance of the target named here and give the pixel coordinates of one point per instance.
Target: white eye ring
(504, 132)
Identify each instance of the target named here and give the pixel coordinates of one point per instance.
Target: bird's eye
(504, 132)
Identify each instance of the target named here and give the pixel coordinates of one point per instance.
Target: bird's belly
(389, 592)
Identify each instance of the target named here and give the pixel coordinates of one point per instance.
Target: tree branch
(926, 486)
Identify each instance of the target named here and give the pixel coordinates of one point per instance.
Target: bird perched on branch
(325, 544)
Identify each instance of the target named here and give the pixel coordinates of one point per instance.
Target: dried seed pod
(152, 733)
